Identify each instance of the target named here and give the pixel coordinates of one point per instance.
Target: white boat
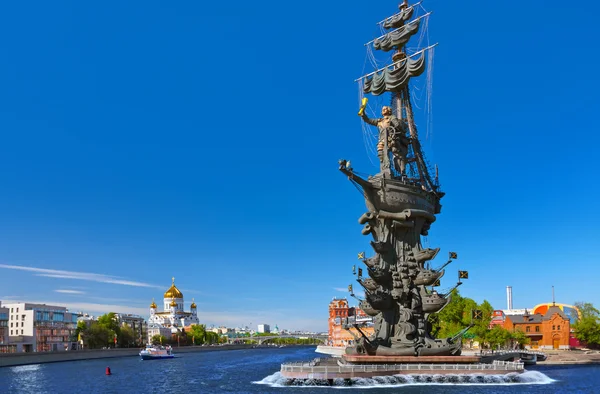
(156, 352)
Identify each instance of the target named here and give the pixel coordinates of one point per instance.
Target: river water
(256, 371)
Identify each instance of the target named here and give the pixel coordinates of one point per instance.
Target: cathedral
(173, 316)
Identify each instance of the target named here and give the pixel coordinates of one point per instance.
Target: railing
(501, 352)
(312, 367)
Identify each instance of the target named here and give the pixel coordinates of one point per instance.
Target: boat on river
(156, 352)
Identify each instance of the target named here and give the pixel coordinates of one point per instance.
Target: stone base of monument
(350, 366)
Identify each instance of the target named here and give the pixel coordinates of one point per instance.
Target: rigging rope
(429, 97)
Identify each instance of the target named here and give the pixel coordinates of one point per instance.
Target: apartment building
(40, 327)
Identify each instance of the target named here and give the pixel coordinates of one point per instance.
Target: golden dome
(153, 305)
(193, 306)
(173, 292)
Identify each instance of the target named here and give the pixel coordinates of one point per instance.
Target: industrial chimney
(509, 297)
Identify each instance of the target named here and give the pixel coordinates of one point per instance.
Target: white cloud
(101, 278)
(63, 291)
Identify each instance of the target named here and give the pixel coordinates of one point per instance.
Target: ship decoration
(402, 200)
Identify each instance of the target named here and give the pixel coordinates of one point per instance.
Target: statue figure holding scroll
(396, 131)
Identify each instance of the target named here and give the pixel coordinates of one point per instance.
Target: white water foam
(526, 378)
(26, 368)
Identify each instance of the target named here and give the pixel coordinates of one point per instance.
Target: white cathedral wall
(171, 320)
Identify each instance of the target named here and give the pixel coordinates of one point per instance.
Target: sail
(398, 19)
(397, 37)
(394, 78)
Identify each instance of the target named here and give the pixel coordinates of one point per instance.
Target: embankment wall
(16, 359)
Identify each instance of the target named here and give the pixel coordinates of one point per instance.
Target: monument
(402, 201)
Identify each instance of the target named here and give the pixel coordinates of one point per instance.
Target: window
(537, 328)
(553, 328)
(527, 329)
(24, 323)
(11, 310)
(21, 332)
(11, 325)
(558, 328)
(10, 332)
(17, 310)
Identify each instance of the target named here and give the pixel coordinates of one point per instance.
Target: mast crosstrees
(407, 162)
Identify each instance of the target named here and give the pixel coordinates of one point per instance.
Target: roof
(173, 292)
(552, 310)
(520, 319)
(537, 317)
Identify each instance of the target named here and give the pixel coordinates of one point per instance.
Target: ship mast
(394, 78)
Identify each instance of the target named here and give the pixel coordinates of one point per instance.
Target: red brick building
(339, 310)
(550, 330)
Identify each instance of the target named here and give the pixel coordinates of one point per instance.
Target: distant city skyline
(142, 141)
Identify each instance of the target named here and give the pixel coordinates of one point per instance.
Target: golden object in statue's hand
(363, 106)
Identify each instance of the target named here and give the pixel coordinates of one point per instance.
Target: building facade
(40, 327)
(339, 314)
(551, 330)
(5, 346)
(264, 329)
(173, 315)
(137, 324)
(157, 329)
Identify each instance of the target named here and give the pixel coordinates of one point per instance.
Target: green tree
(587, 328)
(497, 337)
(519, 337)
(212, 337)
(111, 322)
(458, 314)
(481, 326)
(198, 334)
(159, 340)
(81, 328)
(97, 336)
(449, 321)
(127, 337)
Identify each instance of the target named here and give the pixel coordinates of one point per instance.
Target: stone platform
(332, 368)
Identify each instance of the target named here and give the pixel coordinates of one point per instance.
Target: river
(256, 371)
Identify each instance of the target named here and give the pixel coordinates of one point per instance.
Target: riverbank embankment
(571, 357)
(16, 359)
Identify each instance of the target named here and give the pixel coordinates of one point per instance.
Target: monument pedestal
(352, 359)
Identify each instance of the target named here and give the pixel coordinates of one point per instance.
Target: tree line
(587, 328)
(197, 335)
(105, 331)
(459, 314)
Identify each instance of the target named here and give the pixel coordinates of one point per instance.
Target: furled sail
(397, 38)
(399, 19)
(394, 78)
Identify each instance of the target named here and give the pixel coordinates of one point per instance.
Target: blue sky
(145, 140)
